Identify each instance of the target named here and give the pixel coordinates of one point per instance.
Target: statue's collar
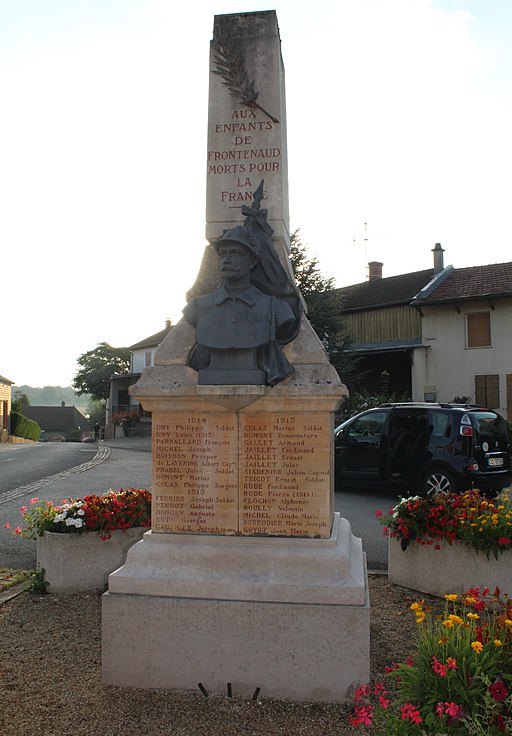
(250, 296)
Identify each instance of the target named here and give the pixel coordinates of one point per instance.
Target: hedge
(23, 427)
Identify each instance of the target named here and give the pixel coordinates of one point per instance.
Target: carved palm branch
(230, 66)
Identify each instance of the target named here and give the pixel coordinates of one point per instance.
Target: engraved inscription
(195, 474)
(285, 479)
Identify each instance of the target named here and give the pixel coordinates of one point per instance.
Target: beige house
(435, 335)
(466, 345)
(5, 407)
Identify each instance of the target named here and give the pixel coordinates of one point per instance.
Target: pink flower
(451, 663)
(363, 691)
(410, 713)
(17, 530)
(363, 715)
(7, 526)
(34, 500)
(23, 509)
(438, 667)
(453, 710)
(498, 690)
(378, 514)
(383, 701)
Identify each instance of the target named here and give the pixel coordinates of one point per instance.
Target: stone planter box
(77, 562)
(452, 569)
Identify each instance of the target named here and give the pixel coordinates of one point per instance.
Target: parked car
(424, 448)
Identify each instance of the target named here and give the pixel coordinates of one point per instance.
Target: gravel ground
(50, 678)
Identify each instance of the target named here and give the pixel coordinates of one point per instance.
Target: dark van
(424, 448)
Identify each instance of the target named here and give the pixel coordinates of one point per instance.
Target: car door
(358, 448)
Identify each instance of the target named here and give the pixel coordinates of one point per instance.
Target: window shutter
(487, 391)
(478, 329)
(493, 392)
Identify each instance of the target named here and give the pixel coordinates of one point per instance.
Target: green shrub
(23, 427)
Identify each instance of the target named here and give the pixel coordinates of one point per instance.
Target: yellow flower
(469, 599)
(474, 616)
(508, 622)
(416, 606)
(477, 646)
(455, 619)
(451, 596)
(420, 617)
(498, 643)
(443, 640)
(500, 507)
(448, 624)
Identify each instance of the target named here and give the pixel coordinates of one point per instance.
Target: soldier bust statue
(241, 326)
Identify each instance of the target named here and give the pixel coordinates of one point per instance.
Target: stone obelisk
(247, 575)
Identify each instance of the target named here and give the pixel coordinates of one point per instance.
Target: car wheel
(438, 480)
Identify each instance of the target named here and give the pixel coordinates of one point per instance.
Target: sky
(399, 115)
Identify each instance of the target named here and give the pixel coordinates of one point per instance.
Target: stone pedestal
(288, 616)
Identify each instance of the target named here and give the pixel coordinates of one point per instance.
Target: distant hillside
(53, 396)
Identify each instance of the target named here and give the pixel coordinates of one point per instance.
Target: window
(478, 330)
(487, 391)
(368, 428)
(148, 359)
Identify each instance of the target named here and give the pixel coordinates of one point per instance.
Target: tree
(97, 367)
(19, 402)
(323, 309)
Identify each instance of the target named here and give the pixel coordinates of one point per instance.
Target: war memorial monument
(248, 582)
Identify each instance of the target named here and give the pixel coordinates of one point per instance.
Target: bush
(23, 427)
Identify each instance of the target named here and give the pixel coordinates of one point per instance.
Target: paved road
(25, 463)
(127, 463)
(359, 508)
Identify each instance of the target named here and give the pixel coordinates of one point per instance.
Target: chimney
(374, 270)
(168, 324)
(438, 258)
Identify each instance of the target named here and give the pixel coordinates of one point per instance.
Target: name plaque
(285, 484)
(195, 473)
(251, 474)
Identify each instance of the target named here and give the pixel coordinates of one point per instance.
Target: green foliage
(96, 412)
(97, 367)
(23, 427)
(19, 402)
(359, 401)
(39, 583)
(323, 308)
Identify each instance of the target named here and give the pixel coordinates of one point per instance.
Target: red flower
(504, 541)
(363, 715)
(410, 713)
(498, 691)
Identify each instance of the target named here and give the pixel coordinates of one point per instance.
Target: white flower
(59, 517)
(80, 512)
(79, 523)
(70, 521)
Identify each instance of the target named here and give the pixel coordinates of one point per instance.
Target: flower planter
(77, 562)
(452, 569)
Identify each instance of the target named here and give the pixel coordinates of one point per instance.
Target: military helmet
(239, 234)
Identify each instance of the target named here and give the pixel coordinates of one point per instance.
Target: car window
(490, 425)
(367, 428)
(440, 423)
